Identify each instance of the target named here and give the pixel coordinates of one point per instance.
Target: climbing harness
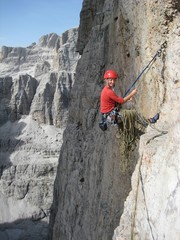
(112, 118)
(158, 54)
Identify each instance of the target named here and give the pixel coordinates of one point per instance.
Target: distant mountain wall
(35, 87)
(41, 77)
(94, 191)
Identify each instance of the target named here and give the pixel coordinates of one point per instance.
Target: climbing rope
(158, 54)
(127, 133)
(130, 117)
(140, 180)
(142, 120)
(135, 205)
(128, 123)
(129, 120)
(133, 124)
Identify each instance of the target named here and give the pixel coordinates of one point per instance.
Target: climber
(109, 101)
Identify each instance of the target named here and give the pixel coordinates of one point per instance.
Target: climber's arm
(130, 95)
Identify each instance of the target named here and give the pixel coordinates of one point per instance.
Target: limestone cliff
(94, 179)
(35, 86)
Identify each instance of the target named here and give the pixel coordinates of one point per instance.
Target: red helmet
(110, 74)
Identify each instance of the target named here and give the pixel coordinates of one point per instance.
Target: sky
(23, 22)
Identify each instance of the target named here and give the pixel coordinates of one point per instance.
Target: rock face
(35, 86)
(93, 185)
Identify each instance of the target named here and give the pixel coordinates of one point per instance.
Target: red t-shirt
(108, 100)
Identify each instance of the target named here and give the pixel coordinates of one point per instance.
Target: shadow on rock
(24, 229)
(9, 142)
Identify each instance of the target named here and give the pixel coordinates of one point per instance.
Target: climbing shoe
(154, 119)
